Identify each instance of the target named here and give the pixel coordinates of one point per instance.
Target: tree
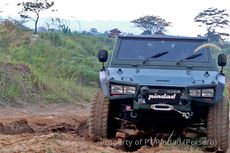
(214, 19)
(59, 24)
(151, 24)
(35, 7)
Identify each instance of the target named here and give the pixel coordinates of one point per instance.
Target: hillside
(65, 63)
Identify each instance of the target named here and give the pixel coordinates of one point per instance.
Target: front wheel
(100, 124)
(217, 126)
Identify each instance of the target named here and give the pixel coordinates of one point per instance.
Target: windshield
(142, 49)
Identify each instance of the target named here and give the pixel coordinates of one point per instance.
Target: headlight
(122, 89)
(195, 92)
(129, 90)
(207, 93)
(116, 89)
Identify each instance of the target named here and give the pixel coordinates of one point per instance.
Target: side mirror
(222, 60)
(103, 56)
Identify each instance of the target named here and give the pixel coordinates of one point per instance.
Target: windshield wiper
(155, 56)
(189, 58)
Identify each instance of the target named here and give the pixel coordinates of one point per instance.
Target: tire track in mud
(73, 124)
(46, 133)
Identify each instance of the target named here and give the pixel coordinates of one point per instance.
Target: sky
(88, 12)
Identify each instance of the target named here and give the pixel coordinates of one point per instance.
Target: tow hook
(167, 107)
(186, 115)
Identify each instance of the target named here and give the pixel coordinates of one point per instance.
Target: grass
(67, 90)
(64, 66)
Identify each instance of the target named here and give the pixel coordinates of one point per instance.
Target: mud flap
(220, 88)
(104, 83)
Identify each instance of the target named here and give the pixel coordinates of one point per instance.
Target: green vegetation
(64, 64)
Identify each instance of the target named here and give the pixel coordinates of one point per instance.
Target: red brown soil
(56, 128)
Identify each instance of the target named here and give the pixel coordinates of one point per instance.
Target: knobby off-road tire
(217, 126)
(99, 117)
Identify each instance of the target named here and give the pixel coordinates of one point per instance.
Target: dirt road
(58, 128)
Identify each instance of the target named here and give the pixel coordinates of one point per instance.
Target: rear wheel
(217, 126)
(100, 122)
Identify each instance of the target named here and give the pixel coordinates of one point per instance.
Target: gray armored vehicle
(160, 84)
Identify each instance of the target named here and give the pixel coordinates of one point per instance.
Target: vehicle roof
(163, 37)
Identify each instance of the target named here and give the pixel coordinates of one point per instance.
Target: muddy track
(54, 128)
(58, 128)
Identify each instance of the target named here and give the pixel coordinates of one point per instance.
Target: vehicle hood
(162, 77)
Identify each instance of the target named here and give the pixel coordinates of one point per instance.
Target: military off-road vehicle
(160, 84)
